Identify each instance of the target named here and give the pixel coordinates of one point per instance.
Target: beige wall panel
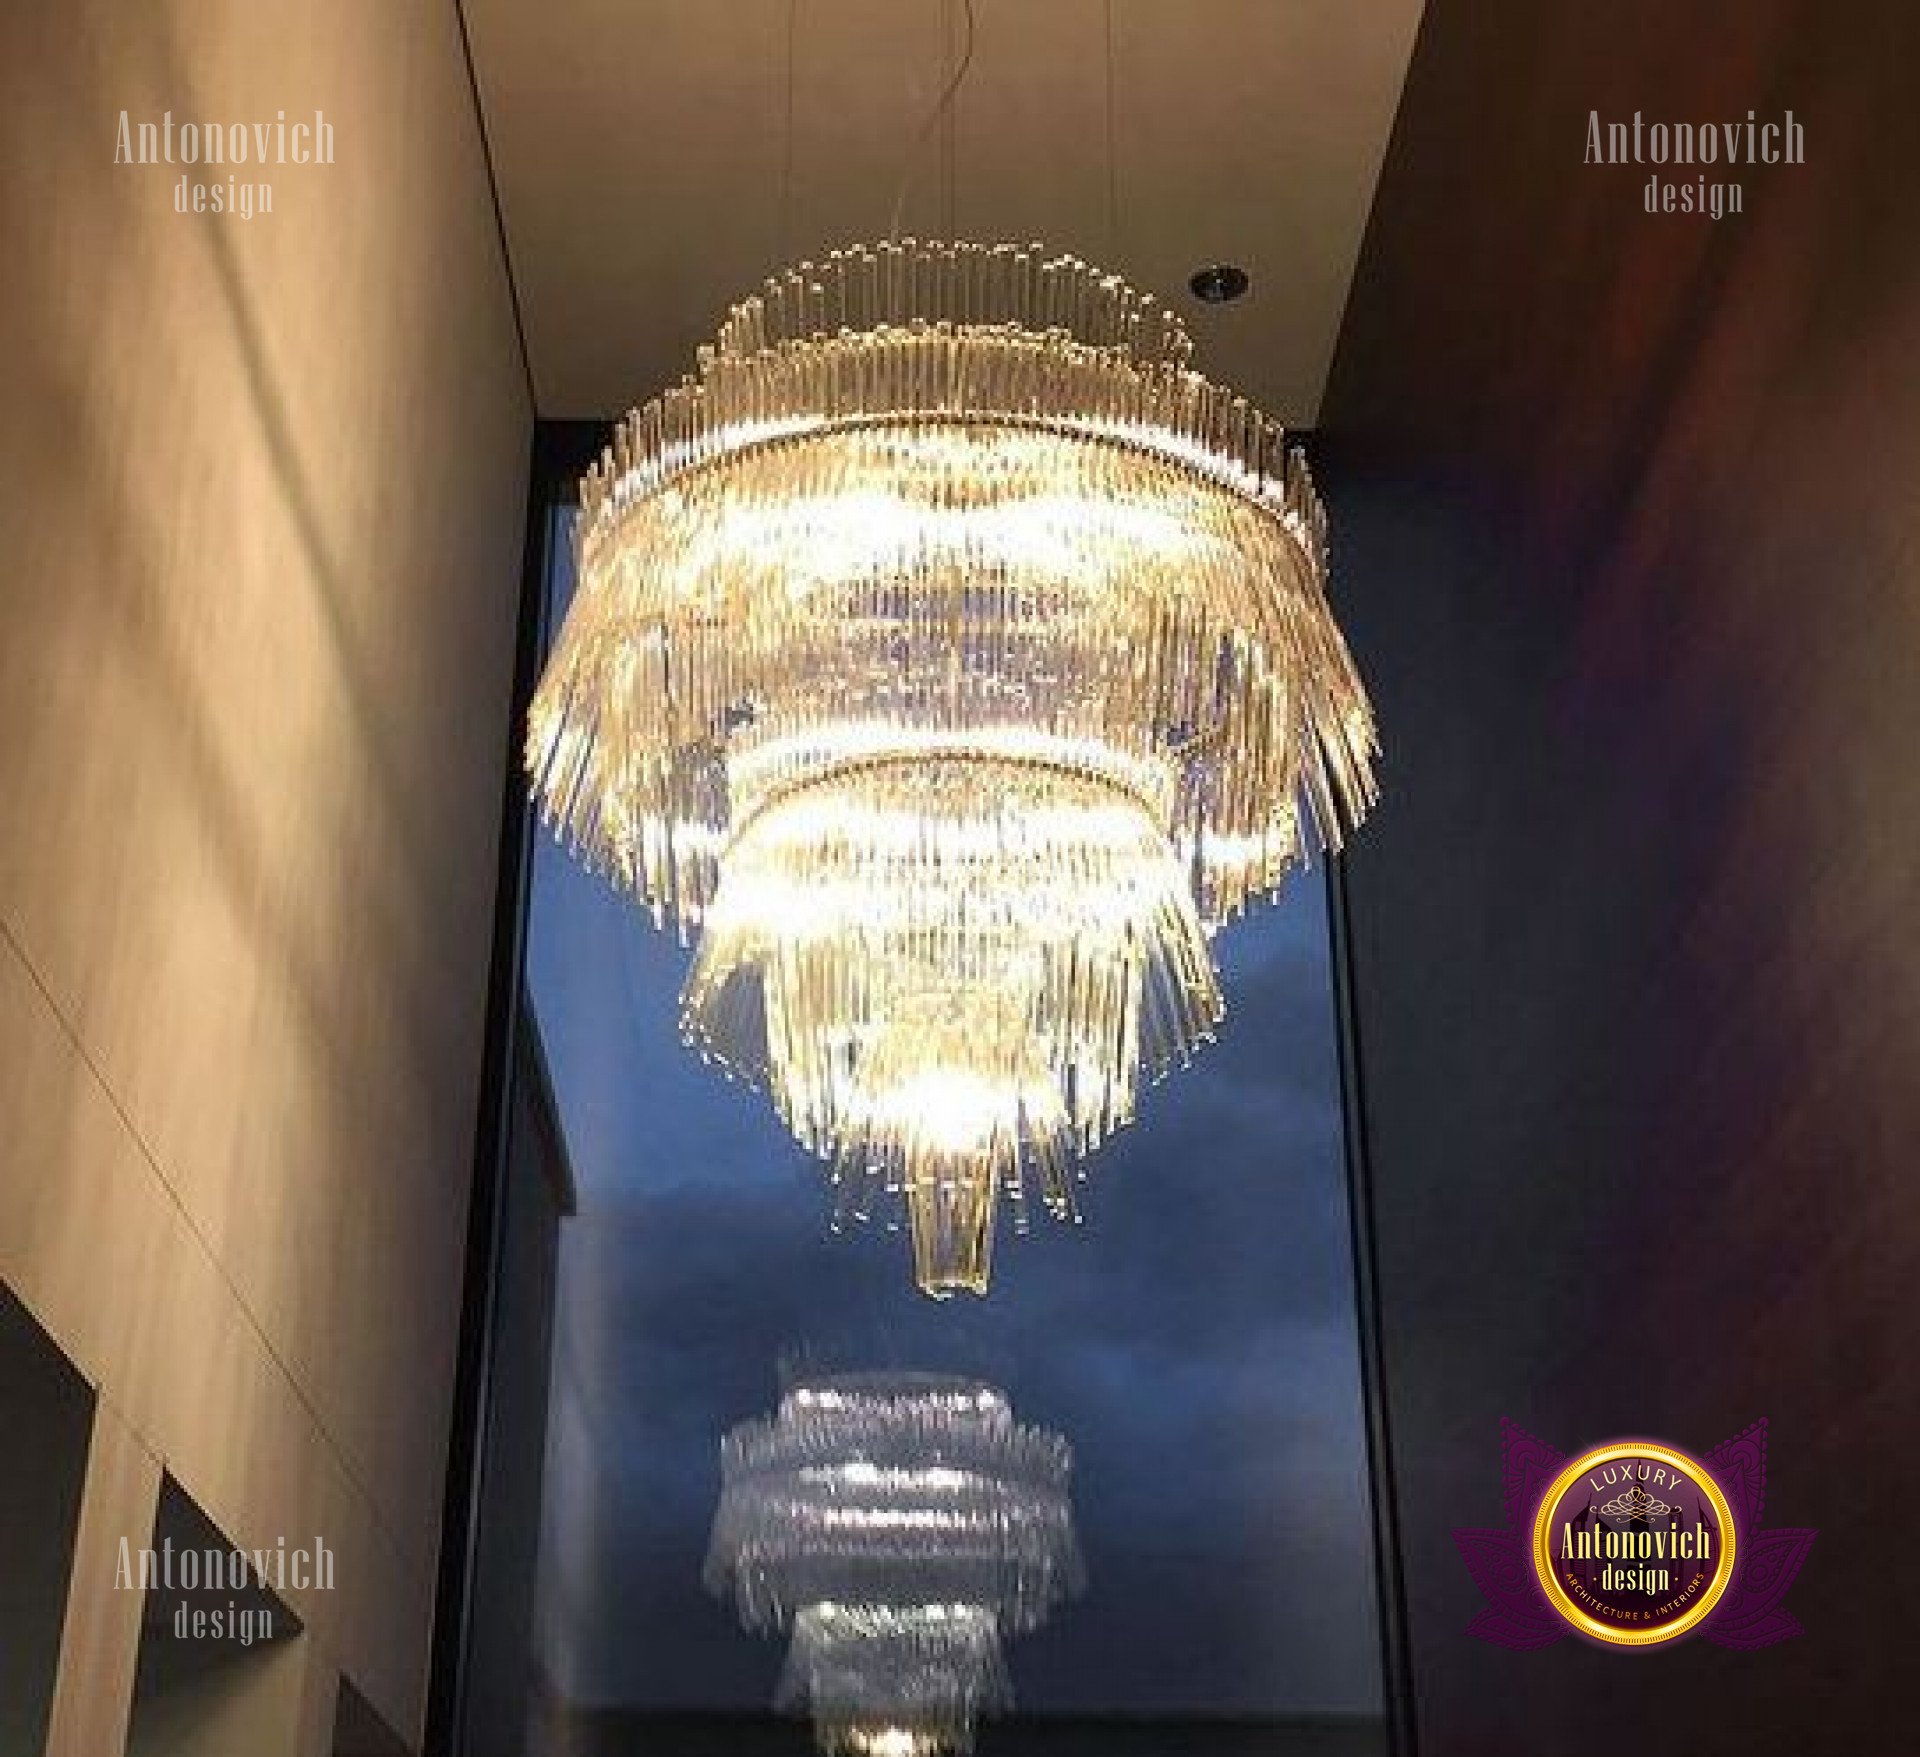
(100, 1639)
(260, 495)
(275, 1701)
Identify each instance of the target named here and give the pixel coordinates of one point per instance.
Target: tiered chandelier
(901, 1526)
(950, 660)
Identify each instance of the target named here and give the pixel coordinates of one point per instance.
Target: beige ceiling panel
(649, 175)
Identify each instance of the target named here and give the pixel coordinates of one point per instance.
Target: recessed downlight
(1219, 283)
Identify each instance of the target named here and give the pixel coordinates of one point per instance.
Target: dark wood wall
(1627, 527)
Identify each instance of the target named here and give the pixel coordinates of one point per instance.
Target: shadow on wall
(166, 655)
(221, 1673)
(43, 1467)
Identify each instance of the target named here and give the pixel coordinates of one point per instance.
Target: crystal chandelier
(900, 1526)
(949, 659)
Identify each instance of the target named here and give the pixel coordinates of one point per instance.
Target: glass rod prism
(902, 1526)
(948, 660)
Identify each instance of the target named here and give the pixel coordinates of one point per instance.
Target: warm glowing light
(952, 660)
(890, 1741)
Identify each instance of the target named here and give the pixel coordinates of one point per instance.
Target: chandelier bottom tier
(951, 973)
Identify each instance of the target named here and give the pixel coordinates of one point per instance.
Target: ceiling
(649, 176)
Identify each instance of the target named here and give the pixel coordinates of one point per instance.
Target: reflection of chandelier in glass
(900, 1525)
(953, 659)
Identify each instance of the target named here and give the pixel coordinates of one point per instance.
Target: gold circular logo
(1634, 1543)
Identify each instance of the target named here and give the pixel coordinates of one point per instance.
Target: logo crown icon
(1635, 1503)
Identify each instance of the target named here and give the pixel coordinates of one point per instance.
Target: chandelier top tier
(798, 460)
(952, 659)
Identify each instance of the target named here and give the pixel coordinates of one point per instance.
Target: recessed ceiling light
(1219, 283)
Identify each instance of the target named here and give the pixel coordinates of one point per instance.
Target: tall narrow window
(1194, 1346)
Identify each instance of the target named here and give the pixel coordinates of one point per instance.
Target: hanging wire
(949, 129)
(935, 118)
(1113, 156)
(786, 151)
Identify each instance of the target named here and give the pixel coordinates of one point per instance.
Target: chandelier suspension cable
(936, 117)
(1113, 157)
(949, 129)
(787, 143)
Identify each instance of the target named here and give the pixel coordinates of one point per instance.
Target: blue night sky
(1194, 1340)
